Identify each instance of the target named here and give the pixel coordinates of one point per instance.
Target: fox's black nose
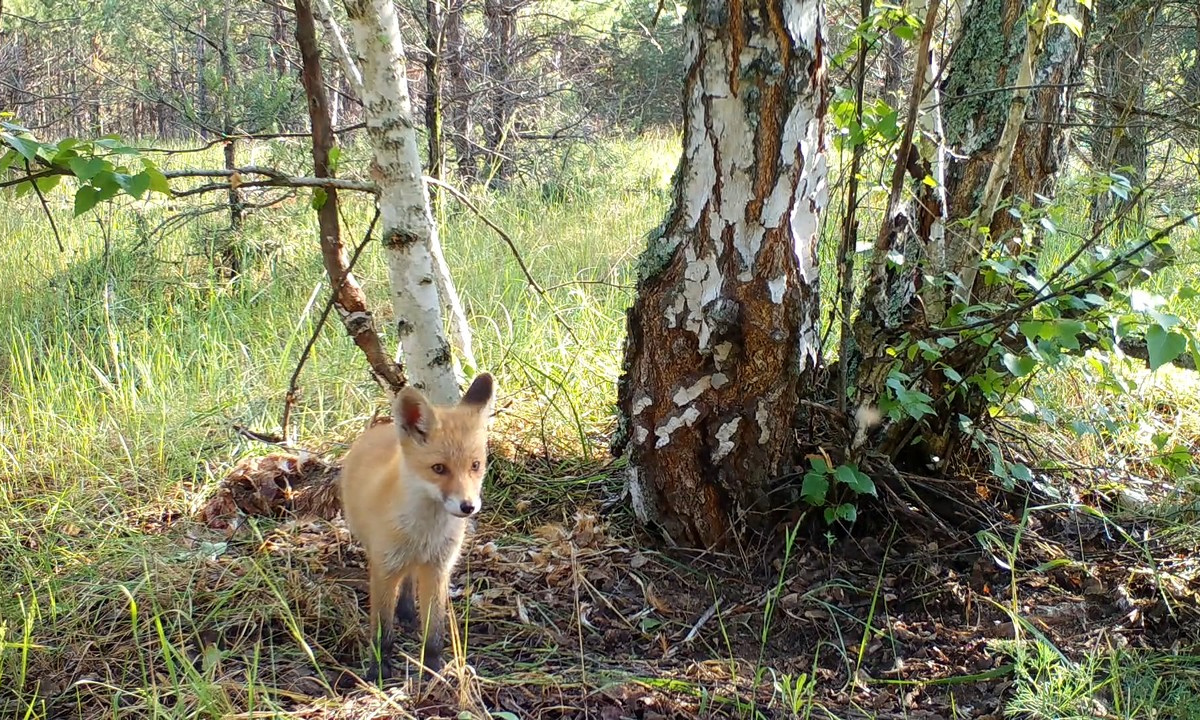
(467, 507)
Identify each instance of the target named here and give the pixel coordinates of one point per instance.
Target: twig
(45, 208)
(293, 384)
(458, 195)
(1007, 316)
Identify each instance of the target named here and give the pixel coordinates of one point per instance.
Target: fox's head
(444, 449)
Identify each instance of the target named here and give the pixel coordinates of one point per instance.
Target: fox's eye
(475, 466)
(440, 469)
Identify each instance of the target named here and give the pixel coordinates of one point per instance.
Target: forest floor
(572, 613)
(130, 368)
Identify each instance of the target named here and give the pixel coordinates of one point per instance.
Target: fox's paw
(378, 672)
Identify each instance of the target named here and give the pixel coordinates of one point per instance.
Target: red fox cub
(407, 489)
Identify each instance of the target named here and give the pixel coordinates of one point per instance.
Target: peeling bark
(409, 234)
(349, 300)
(725, 324)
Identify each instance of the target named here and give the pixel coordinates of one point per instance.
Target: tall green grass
(126, 360)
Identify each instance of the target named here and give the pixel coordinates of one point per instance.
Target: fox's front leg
(432, 587)
(384, 586)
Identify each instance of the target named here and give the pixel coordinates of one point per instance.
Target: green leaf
(904, 32)
(847, 512)
(1163, 346)
(1064, 332)
(6, 160)
(1019, 366)
(855, 479)
(1072, 23)
(86, 198)
(158, 181)
(815, 488)
(819, 464)
(138, 184)
(87, 168)
(48, 183)
(335, 154)
(319, 197)
(27, 147)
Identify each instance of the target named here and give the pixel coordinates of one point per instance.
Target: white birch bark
(409, 233)
(338, 41)
(726, 322)
(459, 327)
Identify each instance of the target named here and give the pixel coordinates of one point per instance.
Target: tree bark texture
(725, 323)
(1011, 139)
(349, 300)
(982, 81)
(1119, 134)
(409, 234)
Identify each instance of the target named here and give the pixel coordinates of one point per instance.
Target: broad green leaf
(87, 168)
(855, 479)
(1163, 346)
(819, 464)
(86, 198)
(1064, 332)
(136, 185)
(158, 181)
(7, 159)
(1032, 329)
(319, 196)
(48, 183)
(814, 488)
(27, 147)
(1019, 366)
(847, 512)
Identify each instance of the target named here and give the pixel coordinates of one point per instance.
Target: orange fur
(407, 488)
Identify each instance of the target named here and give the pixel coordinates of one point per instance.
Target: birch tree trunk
(409, 235)
(1006, 104)
(725, 324)
(349, 299)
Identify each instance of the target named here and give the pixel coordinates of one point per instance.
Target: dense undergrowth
(127, 361)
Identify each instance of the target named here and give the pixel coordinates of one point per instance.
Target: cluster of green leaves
(880, 125)
(834, 489)
(104, 167)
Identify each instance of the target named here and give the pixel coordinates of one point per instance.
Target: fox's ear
(481, 393)
(412, 414)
